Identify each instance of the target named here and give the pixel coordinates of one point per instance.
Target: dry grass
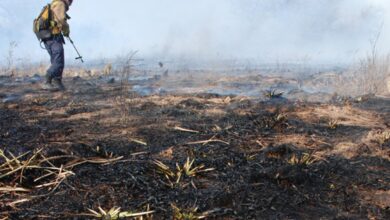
(47, 175)
(370, 76)
(124, 100)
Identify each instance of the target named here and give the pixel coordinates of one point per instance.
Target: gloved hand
(65, 30)
(66, 33)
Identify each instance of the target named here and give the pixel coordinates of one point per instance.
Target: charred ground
(268, 159)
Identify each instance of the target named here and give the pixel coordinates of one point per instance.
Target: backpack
(42, 27)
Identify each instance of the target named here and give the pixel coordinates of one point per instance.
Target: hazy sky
(269, 30)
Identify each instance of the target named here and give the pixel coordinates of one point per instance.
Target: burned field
(78, 154)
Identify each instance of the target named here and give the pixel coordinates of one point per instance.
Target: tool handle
(79, 57)
(70, 40)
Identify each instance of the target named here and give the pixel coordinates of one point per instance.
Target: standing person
(54, 45)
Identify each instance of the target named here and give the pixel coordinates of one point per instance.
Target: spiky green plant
(280, 117)
(384, 137)
(188, 214)
(333, 124)
(187, 169)
(272, 93)
(115, 213)
(304, 159)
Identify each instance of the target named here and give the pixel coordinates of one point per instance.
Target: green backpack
(42, 27)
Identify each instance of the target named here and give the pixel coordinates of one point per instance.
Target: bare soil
(271, 159)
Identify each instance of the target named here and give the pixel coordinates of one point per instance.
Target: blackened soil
(270, 160)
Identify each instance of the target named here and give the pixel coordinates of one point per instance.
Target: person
(54, 45)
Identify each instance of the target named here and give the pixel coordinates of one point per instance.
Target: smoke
(4, 21)
(263, 30)
(324, 29)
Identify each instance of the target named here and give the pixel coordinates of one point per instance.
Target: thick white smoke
(4, 21)
(265, 30)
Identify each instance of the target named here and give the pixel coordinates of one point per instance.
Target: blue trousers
(55, 48)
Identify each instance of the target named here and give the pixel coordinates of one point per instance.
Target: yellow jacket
(59, 24)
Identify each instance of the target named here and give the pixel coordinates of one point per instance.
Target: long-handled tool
(79, 56)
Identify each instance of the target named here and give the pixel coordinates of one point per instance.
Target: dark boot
(48, 85)
(58, 84)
